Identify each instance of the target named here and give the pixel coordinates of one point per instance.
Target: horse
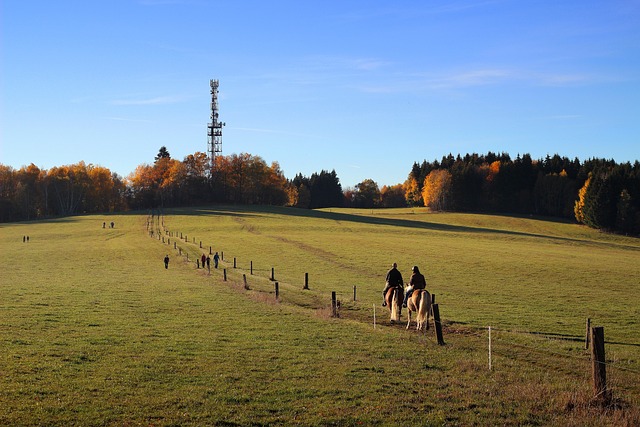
(394, 302)
(420, 302)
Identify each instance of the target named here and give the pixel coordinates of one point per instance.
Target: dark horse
(394, 298)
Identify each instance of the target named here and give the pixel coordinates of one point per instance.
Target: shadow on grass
(259, 211)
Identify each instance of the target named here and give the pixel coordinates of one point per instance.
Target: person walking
(166, 261)
(393, 280)
(216, 258)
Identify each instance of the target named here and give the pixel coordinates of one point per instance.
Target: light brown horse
(394, 298)
(419, 302)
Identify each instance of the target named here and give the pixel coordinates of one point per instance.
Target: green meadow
(95, 331)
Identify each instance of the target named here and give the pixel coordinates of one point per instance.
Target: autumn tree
(412, 193)
(392, 196)
(367, 194)
(436, 189)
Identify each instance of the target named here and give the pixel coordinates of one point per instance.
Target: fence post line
(306, 281)
(334, 305)
(586, 338)
(436, 320)
(234, 262)
(222, 255)
(244, 279)
(272, 274)
(277, 290)
(354, 292)
(200, 244)
(210, 250)
(175, 244)
(599, 366)
(224, 273)
(251, 267)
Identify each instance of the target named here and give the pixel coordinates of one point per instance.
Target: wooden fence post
(200, 244)
(354, 292)
(224, 273)
(251, 267)
(175, 244)
(599, 363)
(234, 262)
(586, 338)
(210, 250)
(277, 290)
(334, 305)
(306, 281)
(244, 278)
(221, 255)
(436, 320)
(272, 274)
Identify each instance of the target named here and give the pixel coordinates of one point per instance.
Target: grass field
(95, 331)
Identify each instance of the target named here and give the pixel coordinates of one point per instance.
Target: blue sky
(363, 87)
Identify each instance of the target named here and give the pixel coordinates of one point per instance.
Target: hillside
(97, 332)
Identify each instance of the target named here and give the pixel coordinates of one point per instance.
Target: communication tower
(214, 128)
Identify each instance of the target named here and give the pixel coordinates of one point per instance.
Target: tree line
(599, 193)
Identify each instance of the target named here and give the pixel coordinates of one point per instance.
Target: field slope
(95, 331)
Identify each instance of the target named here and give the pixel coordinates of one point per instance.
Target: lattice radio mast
(214, 128)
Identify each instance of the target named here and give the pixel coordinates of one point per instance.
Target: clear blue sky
(365, 87)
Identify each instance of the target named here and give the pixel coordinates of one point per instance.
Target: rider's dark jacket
(417, 281)
(394, 278)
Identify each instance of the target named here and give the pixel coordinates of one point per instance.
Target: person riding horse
(417, 281)
(394, 280)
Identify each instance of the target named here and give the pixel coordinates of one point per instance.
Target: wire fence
(502, 337)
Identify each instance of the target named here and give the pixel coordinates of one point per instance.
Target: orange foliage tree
(436, 189)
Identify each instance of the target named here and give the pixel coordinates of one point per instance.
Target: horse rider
(394, 280)
(416, 282)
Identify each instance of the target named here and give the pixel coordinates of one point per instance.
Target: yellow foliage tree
(436, 188)
(578, 208)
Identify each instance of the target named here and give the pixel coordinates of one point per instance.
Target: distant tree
(392, 197)
(600, 200)
(367, 194)
(326, 190)
(162, 154)
(436, 190)
(412, 192)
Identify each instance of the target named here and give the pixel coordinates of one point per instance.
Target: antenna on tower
(214, 128)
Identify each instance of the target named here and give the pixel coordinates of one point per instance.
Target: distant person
(104, 225)
(393, 280)
(415, 282)
(203, 260)
(216, 258)
(112, 224)
(166, 261)
(27, 239)
(208, 262)
(24, 239)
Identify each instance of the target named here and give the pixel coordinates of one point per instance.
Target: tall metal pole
(214, 128)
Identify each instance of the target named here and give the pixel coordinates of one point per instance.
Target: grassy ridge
(97, 332)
